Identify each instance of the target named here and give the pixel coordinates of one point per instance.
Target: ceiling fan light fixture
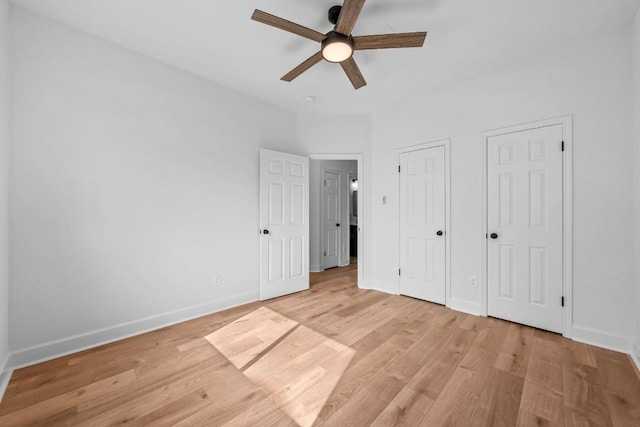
(337, 47)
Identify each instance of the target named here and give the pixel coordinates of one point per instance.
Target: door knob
(439, 233)
(337, 225)
(493, 235)
(265, 231)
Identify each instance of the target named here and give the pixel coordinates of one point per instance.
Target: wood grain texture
(304, 66)
(349, 15)
(389, 41)
(353, 72)
(283, 24)
(344, 356)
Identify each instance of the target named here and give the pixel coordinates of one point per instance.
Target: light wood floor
(332, 356)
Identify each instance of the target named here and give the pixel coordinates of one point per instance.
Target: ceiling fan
(338, 45)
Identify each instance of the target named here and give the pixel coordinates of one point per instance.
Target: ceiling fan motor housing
(334, 14)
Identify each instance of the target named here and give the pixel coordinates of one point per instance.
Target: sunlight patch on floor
(299, 372)
(244, 339)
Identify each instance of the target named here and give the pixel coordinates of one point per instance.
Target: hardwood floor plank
(491, 336)
(499, 401)
(266, 414)
(514, 353)
(438, 361)
(226, 403)
(143, 387)
(457, 402)
(408, 408)
(624, 410)
(541, 404)
(353, 357)
(360, 374)
(69, 400)
(177, 410)
(613, 373)
(244, 339)
(582, 394)
(375, 395)
(130, 411)
(545, 368)
(363, 303)
(59, 384)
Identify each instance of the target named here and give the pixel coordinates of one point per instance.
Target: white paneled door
(331, 219)
(284, 222)
(423, 224)
(524, 224)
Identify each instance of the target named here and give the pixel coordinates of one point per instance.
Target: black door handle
(493, 235)
(265, 231)
(337, 225)
(439, 233)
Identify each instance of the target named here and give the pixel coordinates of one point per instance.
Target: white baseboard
(58, 348)
(602, 339)
(4, 363)
(464, 306)
(4, 382)
(5, 376)
(386, 287)
(365, 284)
(315, 268)
(635, 355)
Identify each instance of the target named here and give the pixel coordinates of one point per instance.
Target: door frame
(359, 158)
(567, 214)
(323, 229)
(446, 143)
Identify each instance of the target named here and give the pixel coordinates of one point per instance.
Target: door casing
(567, 213)
(363, 282)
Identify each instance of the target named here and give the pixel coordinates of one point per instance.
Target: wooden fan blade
(348, 16)
(313, 60)
(289, 26)
(386, 41)
(353, 72)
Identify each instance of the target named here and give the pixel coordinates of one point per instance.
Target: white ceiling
(218, 40)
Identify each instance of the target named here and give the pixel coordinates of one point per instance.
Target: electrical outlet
(217, 280)
(473, 282)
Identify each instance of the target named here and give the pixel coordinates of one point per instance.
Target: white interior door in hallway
(284, 222)
(423, 224)
(331, 217)
(525, 227)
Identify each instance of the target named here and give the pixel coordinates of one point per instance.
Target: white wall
(4, 176)
(133, 185)
(591, 81)
(316, 168)
(636, 169)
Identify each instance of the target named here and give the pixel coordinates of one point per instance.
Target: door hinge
(486, 236)
(562, 146)
(325, 182)
(562, 301)
(325, 253)
(398, 168)
(398, 272)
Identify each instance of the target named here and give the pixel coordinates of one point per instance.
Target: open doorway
(335, 208)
